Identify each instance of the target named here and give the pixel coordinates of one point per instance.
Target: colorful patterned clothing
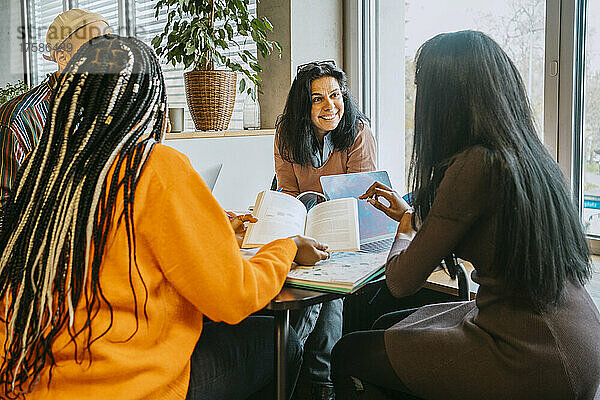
(21, 124)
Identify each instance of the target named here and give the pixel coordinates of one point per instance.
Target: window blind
(109, 9)
(41, 15)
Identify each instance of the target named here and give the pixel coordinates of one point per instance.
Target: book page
(279, 216)
(335, 223)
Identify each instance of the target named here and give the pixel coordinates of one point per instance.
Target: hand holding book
(238, 224)
(309, 250)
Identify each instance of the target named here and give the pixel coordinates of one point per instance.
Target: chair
(274, 183)
(457, 271)
(363, 308)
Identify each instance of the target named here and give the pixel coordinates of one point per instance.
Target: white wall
(317, 32)
(10, 44)
(389, 118)
(374, 62)
(247, 165)
(308, 30)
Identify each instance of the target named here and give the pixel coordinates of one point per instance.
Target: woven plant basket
(210, 97)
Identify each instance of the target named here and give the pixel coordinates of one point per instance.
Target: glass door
(590, 156)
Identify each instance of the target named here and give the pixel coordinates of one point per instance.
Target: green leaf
(230, 33)
(210, 42)
(242, 85)
(259, 24)
(267, 24)
(256, 67)
(250, 55)
(156, 41)
(262, 49)
(190, 48)
(12, 90)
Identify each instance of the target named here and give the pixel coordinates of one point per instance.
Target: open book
(342, 273)
(280, 215)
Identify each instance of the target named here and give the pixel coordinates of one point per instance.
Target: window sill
(594, 243)
(215, 134)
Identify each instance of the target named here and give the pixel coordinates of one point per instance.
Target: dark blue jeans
(319, 327)
(237, 361)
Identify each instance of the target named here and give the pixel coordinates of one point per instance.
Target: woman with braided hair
(114, 250)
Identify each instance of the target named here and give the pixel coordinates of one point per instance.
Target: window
(517, 25)
(42, 13)
(590, 156)
(145, 26)
(556, 52)
(109, 9)
(381, 70)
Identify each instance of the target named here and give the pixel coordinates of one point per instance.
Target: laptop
(377, 230)
(209, 175)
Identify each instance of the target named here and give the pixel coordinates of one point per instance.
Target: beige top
(295, 179)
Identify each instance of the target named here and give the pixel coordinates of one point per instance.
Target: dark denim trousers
(319, 327)
(237, 361)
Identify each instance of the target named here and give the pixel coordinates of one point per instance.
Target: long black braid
(104, 119)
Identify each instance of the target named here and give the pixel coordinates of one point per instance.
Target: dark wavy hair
(469, 93)
(109, 110)
(297, 140)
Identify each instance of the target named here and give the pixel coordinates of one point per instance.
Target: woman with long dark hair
(487, 190)
(114, 250)
(321, 132)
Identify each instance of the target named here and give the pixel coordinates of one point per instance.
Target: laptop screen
(373, 224)
(209, 175)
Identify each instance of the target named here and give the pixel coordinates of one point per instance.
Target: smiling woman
(321, 132)
(327, 105)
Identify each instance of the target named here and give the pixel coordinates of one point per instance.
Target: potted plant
(199, 34)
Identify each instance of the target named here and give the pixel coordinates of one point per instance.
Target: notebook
(377, 230)
(209, 175)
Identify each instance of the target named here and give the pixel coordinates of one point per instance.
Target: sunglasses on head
(303, 67)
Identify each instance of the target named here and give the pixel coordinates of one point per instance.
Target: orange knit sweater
(191, 265)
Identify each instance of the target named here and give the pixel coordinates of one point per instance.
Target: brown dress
(295, 178)
(489, 348)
